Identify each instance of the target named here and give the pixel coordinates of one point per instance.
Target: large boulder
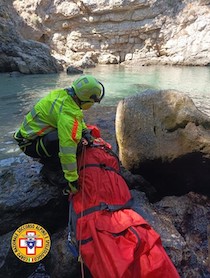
(165, 138)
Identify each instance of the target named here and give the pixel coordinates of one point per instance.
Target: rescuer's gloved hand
(72, 187)
(86, 134)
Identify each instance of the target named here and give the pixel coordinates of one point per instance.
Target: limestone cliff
(107, 31)
(87, 32)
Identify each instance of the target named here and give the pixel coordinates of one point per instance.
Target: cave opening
(190, 172)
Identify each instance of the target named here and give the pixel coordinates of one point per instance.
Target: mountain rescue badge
(30, 243)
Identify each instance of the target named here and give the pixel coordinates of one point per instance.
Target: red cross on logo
(30, 242)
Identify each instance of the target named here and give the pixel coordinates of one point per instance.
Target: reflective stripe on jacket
(57, 111)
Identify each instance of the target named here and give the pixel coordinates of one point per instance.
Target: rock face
(19, 54)
(162, 133)
(139, 31)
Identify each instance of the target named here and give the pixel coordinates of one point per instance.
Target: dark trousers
(46, 148)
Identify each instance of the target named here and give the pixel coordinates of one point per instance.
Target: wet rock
(4, 247)
(15, 74)
(190, 216)
(26, 197)
(40, 272)
(68, 265)
(73, 70)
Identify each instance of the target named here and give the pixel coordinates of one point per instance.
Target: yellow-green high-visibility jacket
(57, 111)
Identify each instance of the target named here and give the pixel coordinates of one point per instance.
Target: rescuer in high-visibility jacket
(54, 127)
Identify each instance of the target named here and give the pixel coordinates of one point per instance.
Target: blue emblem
(30, 243)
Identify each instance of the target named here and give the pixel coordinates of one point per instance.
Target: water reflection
(18, 94)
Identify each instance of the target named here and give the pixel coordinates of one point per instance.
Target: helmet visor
(95, 98)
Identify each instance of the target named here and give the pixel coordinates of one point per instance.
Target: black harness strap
(99, 165)
(107, 207)
(85, 241)
(89, 239)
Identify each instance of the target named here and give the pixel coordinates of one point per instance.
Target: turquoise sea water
(18, 94)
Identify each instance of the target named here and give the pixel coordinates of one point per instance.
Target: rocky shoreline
(182, 221)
